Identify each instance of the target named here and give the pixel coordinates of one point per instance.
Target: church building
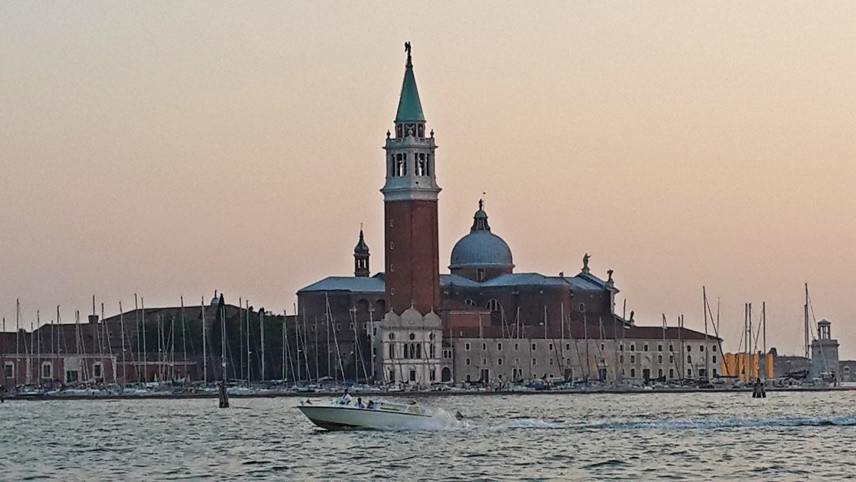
(482, 322)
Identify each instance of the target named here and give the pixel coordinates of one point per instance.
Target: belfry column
(410, 207)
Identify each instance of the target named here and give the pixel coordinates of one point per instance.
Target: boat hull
(345, 418)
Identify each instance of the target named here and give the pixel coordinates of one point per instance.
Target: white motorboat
(381, 416)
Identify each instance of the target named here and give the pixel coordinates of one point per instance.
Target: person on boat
(346, 399)
(360, 402)
(371, 405)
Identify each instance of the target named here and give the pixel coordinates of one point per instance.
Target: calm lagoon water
(793, 436)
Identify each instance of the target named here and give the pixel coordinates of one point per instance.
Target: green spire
(409, 106)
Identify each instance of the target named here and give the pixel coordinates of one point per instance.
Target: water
(640, 436)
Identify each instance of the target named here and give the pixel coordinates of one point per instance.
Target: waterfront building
(481, 322)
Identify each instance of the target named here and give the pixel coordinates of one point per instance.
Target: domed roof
(481, 248)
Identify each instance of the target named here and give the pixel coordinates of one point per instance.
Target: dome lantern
(481, 255)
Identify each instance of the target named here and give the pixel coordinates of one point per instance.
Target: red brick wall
(412, 255)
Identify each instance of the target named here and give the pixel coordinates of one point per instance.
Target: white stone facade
(409, 349)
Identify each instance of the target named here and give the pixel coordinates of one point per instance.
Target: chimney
(93, 319)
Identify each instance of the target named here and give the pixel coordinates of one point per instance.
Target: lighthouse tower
(410, 341)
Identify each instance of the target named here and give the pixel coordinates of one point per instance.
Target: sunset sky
(175, 148)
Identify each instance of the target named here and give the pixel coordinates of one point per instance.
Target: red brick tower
(410, 207)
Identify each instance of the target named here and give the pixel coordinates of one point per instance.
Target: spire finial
(407, 49)
(586, 258)
(481, 204)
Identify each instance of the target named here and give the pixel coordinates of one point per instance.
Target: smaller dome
(481, 248)
(411, 316)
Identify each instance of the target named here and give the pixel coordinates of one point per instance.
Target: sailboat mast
(249, 352)
(706, 351)
(805, 319)
(262, 341)
(284, 373)
(124, 355)
(204, 347)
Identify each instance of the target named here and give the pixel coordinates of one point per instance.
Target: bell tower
(361, 257)
(411, 248)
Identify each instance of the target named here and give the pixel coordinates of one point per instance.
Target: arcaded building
(482, 322)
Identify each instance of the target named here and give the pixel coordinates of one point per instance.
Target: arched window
(493, 305)
(446, 375)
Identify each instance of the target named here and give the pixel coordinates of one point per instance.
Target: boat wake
(735, 423)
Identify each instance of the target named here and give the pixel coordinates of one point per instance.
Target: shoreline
(428, 394)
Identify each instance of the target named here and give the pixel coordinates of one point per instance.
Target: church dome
(481, 248)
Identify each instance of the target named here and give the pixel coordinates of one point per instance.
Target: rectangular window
(659, 347)
(645, 347)
(632, 373)
(499, 361)
(689, 372)
(432, 349)
(9, 370)
(391, 351)
(701, 348)
(534, 362)
(621, 358)
(467, 362)
(412, 375)
(516, 346)
(568, 346)
(499, 347)
(432, 376)
(632, 359)
(467, 346)
(713, 348)
(533, 347)
(47, 370)
(96, 370)
(484, 346)
(551, 347)
(392, 375)
(659, 358)
(671, 373)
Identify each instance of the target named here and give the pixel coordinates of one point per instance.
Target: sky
(170, 149)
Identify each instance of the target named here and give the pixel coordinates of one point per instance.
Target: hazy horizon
(173, 149)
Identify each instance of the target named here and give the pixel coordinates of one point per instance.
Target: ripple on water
(682, 436)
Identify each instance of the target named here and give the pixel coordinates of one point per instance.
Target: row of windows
(47, 370)
(660, 347)
(660, 358)
(413, 350)
(432, 375)
(398, 165)
(412, 336)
